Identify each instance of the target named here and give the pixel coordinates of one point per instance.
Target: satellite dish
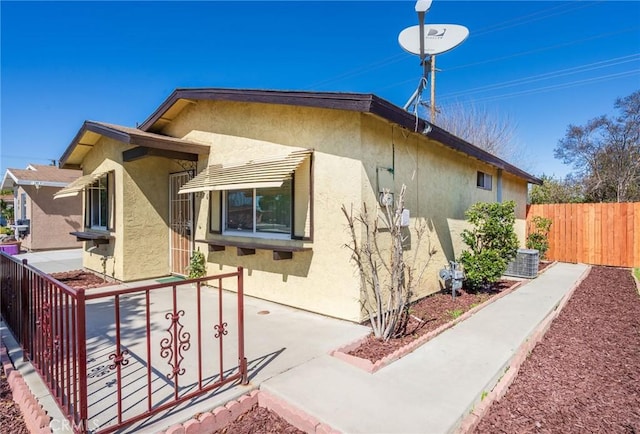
(438, 38)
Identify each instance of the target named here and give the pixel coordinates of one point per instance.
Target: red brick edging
(368, 366)
(35, 417)
(470, 422)
(218, 418)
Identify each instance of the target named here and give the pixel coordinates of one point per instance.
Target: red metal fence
(592, 233)
(113, 357)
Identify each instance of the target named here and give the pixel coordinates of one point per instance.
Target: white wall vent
(525, 264)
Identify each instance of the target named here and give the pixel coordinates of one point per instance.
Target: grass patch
(453, 314)
(636, 271)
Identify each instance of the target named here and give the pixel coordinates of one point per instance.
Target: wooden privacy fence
(592, 233)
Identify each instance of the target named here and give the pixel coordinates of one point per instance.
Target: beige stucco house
(257, 179)
(42, 223)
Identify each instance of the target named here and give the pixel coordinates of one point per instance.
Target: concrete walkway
(432, 389)
(53, 261)
(428, 391)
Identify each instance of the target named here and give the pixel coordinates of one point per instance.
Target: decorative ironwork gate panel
(180, 224)
(111, 358)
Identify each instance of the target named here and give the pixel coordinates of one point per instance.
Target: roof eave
(407, 120)
(128, 139)
(8, 181)
(365, 103)
(336, 100)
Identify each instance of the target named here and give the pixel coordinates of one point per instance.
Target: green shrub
(197, 265)
(492, 243)
(539, 238)
(6, 231)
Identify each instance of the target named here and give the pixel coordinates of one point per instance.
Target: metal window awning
(78, 185)
(271, 172)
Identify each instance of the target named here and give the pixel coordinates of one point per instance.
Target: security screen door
(180, 224)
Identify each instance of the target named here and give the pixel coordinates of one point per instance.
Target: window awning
(78, 185)
(264, 173)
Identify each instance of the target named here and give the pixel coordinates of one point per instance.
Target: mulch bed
(80, 279)
(11, 420)
(427, 315)
(259, 420)
(430, 313)
(584, 375)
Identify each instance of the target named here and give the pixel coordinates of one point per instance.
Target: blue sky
(542, 64)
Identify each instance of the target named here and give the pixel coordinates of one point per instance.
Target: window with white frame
(98, 203)
(484, 181)
(261, 212)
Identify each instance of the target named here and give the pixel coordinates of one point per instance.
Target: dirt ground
(427, 315)
(259, 420)
(80, 279)
(584, 376)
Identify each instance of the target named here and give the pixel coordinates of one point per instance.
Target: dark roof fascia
(458, 144)
(130, 138)
(67, 152)
(96, 128)
(365, 103)
(332, 100)
(395, 114)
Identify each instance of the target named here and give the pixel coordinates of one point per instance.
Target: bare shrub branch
(387, 280)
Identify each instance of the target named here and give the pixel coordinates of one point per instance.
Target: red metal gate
(145, 343)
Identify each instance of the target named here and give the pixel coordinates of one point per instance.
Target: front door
(180, 224)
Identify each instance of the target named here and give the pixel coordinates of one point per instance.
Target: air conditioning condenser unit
(525, 264)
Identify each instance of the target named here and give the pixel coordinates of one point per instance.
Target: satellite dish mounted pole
(422, 6)
(433, 89)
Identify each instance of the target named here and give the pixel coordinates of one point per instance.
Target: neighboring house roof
(91, 131)
(39, 175)
(7, 198)
(360, 102)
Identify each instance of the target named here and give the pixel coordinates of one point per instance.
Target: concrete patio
(277, 339)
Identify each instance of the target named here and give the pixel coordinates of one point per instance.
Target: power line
(402, 56)
(549, 75)
(507, 25)
(522, 53)
(538, 50)
(559, 86)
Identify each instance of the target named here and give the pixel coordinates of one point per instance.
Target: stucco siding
(139, 245)
(321, 280)
(106, 156)
(51, 220)
(355, 156)
(145, 213)
(441, 186)
(516, 189)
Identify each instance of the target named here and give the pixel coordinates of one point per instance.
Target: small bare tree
(495, 133)
(387, 280)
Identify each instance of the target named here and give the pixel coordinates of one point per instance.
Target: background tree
(538, 237)
(605, 153)
(552, 190)
(489, 131)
